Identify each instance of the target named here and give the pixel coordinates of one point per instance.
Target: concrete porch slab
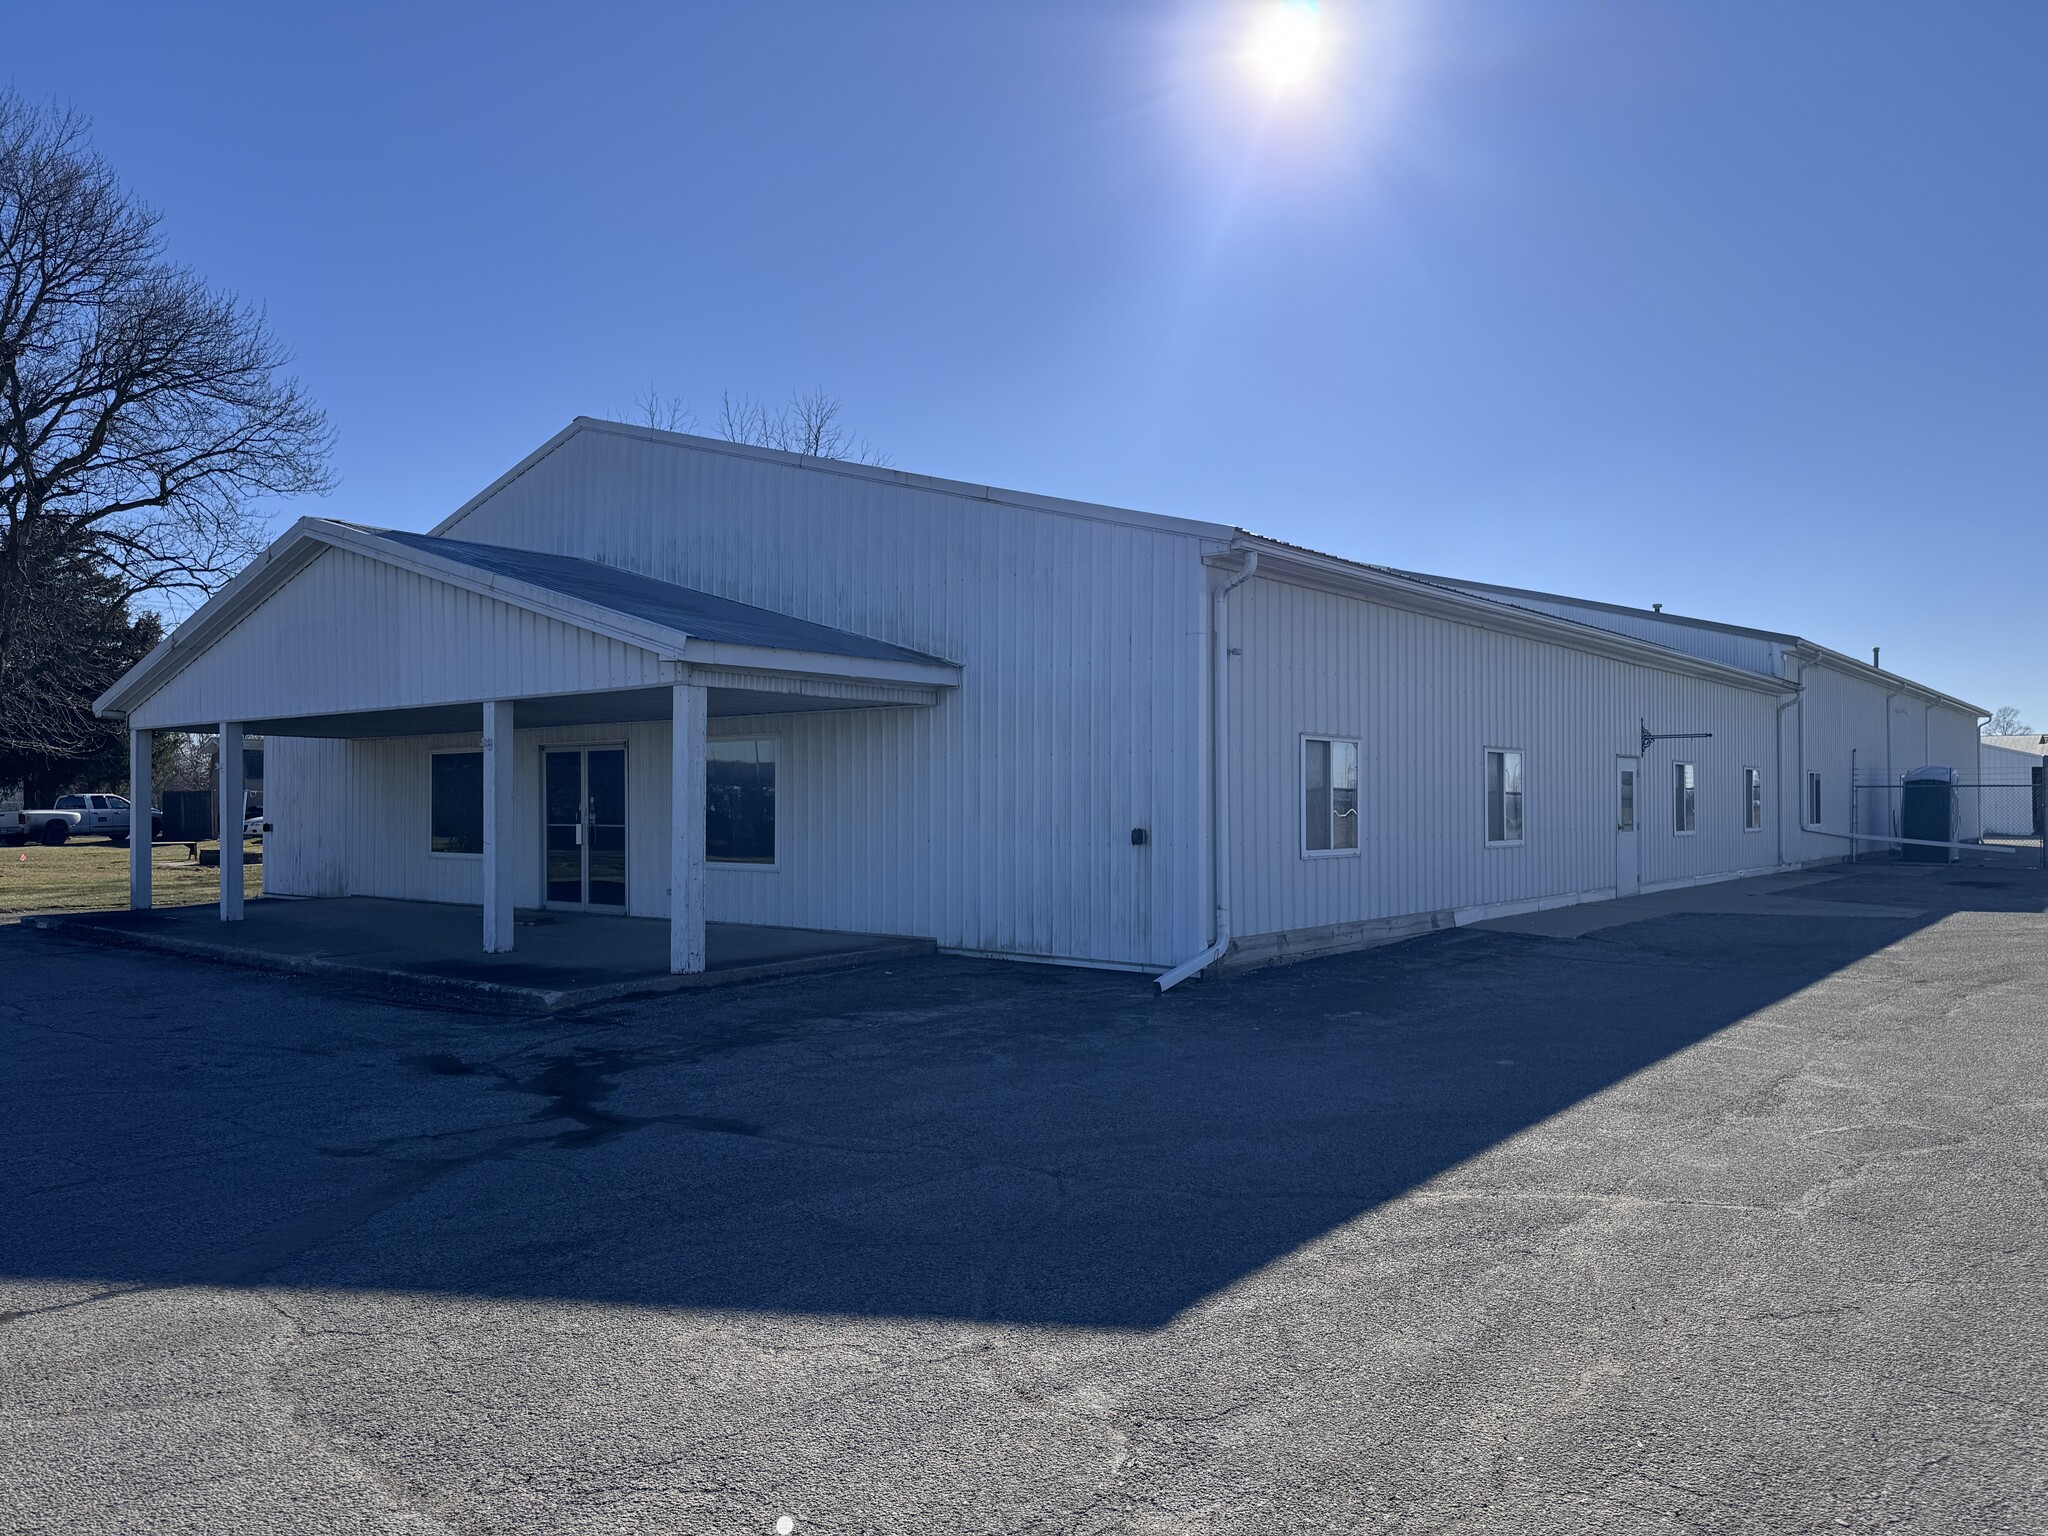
(429, 952)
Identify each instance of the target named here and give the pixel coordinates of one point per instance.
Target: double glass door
(584, 803)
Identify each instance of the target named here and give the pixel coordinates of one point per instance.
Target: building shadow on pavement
(952, 1138)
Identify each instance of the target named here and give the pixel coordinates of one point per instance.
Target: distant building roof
(2036, 744)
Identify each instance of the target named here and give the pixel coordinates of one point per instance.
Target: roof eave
(1402, 591)
(800, 663)
(906, 479)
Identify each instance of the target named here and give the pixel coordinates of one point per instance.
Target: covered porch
(494, 729)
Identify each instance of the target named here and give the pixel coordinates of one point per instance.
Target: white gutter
(1219, 778)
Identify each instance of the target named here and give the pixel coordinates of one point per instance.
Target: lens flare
(1285, 49)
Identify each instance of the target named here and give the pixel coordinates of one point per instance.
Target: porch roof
(684, 610)
(344, 630)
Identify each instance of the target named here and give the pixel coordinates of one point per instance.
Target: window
(116, 803)
(739, 801)
(1625, 813)
(458, 803)
(1752, 800)
(1503, 796)
(1329, 795)
(1685, 801)
(1813, 799)
(72, 803)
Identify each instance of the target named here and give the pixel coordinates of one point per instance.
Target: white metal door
(1628, 854)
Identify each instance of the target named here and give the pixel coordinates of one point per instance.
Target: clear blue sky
(1735, 306)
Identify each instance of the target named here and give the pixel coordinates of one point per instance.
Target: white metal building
(673, 677)
(1847, 722)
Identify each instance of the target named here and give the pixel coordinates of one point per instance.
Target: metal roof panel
(685, 609)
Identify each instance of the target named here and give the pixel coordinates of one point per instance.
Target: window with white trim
(1503, 796)
(1752, 799)
(456, 803)
(1329, 795)
(739, 800)
(1813, 798)
(1685, 798)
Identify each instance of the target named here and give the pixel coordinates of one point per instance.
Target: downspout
(1219, 777)
(1797, 798)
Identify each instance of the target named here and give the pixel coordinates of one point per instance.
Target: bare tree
(2007, 722)
(142, 414)
(664, 413)
(810, 424)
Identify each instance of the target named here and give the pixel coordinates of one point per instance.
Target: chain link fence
(1925, 818)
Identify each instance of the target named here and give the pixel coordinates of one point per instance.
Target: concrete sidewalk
(431, 952)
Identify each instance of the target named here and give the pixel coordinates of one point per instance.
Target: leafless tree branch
(142, 415)
(664, 413)
(810, 425)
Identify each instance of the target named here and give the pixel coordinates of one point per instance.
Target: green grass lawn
(90, 874)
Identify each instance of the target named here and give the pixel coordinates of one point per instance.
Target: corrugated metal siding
(1845, 718)
(349, 633)
(353, 817)
(1000, 820)
(305, 789)
(1425, 697)
(1953, 739)
(1841, 720)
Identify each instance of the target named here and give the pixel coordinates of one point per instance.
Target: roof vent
(1656, 607)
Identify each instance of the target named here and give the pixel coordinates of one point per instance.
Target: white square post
(140, 827)
(686, 832)
(232, 802)
(501, 816)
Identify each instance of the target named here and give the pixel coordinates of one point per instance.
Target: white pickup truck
(108, 815)
(50, 827)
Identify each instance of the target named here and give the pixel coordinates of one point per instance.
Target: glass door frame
(582, 750)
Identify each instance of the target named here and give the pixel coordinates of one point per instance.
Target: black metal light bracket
(1650, 736)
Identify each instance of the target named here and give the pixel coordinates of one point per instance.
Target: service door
(1628, 853)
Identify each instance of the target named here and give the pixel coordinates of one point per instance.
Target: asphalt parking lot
(1721, 1220)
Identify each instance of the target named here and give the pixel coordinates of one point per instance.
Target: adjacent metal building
(816, 694)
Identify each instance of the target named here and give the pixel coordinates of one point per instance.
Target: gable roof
(846, 468)
(675, 622)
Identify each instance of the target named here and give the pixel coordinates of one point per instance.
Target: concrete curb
(459, 992)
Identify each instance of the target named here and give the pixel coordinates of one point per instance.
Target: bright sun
(1286, 44)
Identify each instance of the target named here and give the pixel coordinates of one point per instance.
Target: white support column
(231, 803)
(140, 793)
(501, 816)
(686, 832)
